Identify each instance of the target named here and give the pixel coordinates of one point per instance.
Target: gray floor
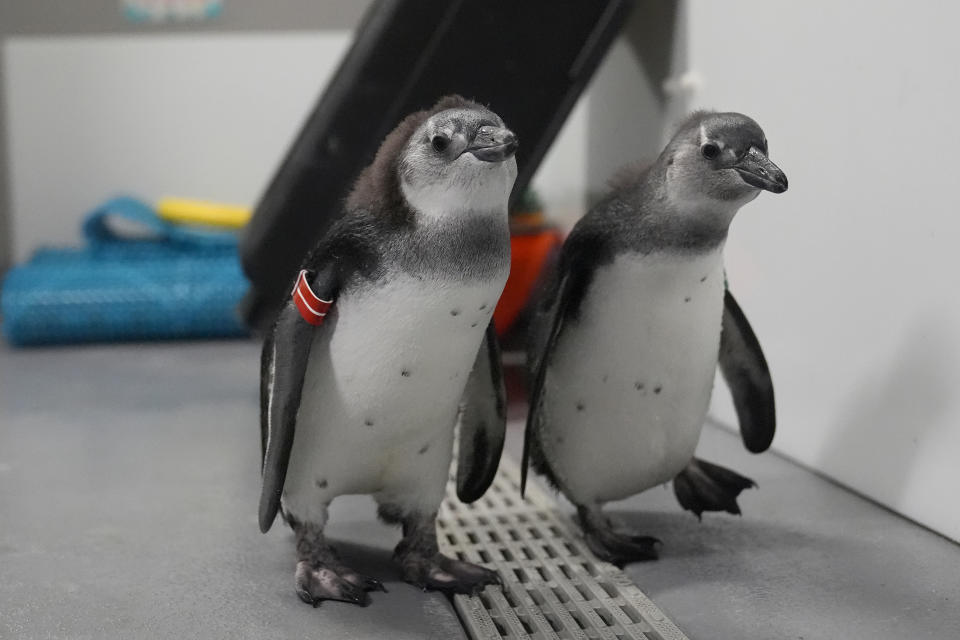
(808, 560)
(128, 487)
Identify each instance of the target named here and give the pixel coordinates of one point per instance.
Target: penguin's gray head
(720, 158)
(460, 159)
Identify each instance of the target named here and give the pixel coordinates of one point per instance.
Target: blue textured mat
(137, 278)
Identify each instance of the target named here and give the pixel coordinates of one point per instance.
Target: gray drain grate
(553, 586)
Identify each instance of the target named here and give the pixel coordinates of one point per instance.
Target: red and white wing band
(312, 308)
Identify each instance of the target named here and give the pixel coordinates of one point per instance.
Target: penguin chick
(388, 328)
(626, 341)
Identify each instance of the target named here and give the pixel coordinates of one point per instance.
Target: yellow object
(213, 214)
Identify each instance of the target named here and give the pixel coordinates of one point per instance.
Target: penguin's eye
(710, 151)
(440, 143)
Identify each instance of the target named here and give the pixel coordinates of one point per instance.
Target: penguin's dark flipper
(538, 362)
(483, 422)
(703, 486)
(616, 548)
(746, 372)
(284, 364)
(587, 247)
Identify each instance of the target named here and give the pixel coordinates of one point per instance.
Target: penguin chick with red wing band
(364, 399)
(626, 341)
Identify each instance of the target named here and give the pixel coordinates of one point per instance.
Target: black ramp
(529, 61)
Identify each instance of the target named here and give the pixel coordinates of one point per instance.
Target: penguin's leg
(420, 559)
(613, 547)
(703, 486)
(320, 574)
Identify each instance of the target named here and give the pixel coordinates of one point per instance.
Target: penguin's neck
(439, 203)
(681, 215)
(685, 193)
(455, 233)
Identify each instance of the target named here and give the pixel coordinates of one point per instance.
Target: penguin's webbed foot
(619, 548)
(445, 574)
(613, 547)
(318, 581)
(703, 486)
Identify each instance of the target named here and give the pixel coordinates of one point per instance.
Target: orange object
(530, 252)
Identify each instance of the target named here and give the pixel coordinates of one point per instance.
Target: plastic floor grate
(553, 586)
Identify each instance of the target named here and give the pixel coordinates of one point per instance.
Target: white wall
(851, 278)
(197, 115)
(192, 115)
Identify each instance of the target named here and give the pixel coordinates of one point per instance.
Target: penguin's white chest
(382, 388)
(630, 381)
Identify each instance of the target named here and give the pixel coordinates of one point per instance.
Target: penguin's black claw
(647, 541)
(446, 574)
(318, 582)
(372, 584)
(703, 486)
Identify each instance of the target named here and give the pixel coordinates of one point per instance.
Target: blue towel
(137, 278)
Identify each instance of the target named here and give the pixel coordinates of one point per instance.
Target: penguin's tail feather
(704, 486)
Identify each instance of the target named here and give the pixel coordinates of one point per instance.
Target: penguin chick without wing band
(634, 322)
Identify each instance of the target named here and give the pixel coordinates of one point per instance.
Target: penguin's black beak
(756, 170)
(493, 144)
